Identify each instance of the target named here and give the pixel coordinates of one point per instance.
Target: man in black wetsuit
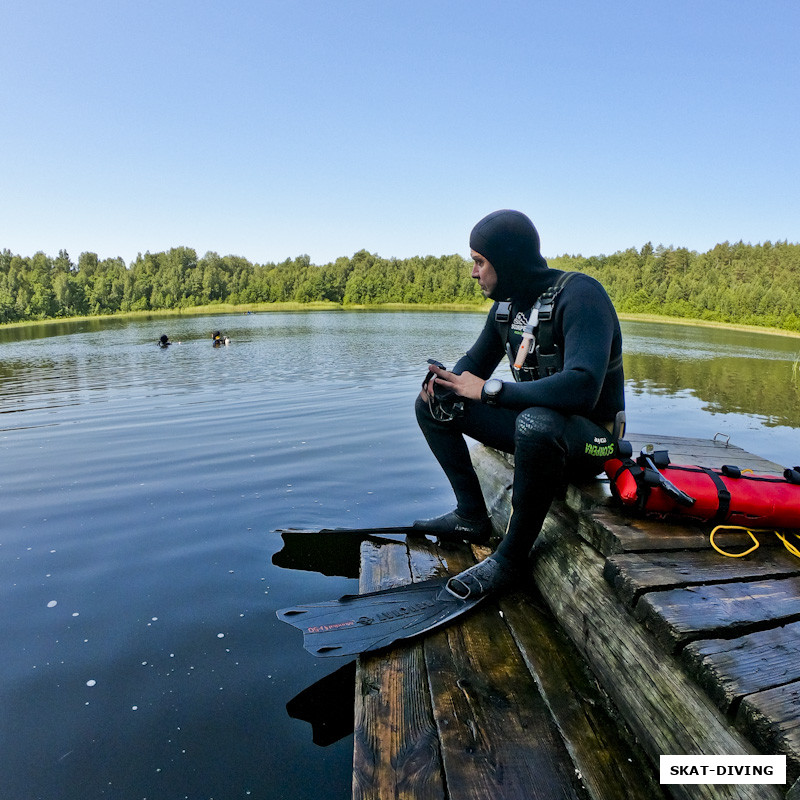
(559, 417)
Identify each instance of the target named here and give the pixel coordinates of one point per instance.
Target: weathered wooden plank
(611, 766)
(678, 616)
(498, 738)
(610, 532)
(666, 710)
(396, 748)
(730, 669)
(772, 717)
(632, 574)
(703, 452)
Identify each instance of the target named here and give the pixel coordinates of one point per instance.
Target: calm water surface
(141, 653)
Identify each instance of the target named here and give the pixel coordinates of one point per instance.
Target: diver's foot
(453, 527)
(493, 574)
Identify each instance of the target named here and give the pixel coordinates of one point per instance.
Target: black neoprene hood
(510, 242)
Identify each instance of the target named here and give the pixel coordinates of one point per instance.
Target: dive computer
(490, 394)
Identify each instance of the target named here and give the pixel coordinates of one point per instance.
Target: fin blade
(362, 623)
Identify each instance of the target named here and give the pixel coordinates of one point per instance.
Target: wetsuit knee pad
(539, 430)
(540, 423)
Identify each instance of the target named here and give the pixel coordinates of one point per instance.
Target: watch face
(493, 386)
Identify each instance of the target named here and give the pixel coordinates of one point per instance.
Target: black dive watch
(490, 394)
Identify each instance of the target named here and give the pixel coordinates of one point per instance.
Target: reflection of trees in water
(762, 387)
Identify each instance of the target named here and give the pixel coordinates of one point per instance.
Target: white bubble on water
(52, 604)
(91, 682)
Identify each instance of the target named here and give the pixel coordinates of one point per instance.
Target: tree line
(731, 283)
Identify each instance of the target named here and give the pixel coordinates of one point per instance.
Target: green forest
(731, 283)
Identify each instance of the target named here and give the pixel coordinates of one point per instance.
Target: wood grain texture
(612, 767)
(772, 717)
(731, 669)
(633, 574)
(396, 749)
(666, 710)
(678, 616)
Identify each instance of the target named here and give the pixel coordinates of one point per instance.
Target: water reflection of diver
(164, 341)
(220, 339)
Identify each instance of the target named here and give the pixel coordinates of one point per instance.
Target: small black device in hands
(445, 404)
(430, 374)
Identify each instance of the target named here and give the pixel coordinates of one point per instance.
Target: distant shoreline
(226, 309)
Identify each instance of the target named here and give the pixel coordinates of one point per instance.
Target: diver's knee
(538, 425)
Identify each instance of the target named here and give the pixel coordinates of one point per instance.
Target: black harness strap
(548, 356)
(723, 495)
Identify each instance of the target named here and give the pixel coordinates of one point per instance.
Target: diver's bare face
(484, 273)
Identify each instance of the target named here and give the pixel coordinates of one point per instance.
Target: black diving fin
(361, 623)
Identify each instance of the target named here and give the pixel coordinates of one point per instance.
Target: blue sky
(273, 128)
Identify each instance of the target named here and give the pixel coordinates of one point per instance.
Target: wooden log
(730, 669)
(396, 749)
(496, 472)
(679, 616)
(632, 575)
(667, 712)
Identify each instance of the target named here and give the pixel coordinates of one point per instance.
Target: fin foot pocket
(491, 575)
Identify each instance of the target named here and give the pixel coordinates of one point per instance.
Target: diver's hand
(464, 385)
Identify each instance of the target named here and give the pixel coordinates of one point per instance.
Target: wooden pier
(635, 639)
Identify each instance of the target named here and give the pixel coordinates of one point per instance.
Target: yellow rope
(793, 549)
(789, 546)
(733, 528)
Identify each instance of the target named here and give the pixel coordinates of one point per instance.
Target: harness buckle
(548, 363)
(545, 305)
(503, 312)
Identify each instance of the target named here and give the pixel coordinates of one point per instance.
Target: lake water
(140, 490)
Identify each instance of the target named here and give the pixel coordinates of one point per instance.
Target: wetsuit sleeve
(487, 352)
(587, 320)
